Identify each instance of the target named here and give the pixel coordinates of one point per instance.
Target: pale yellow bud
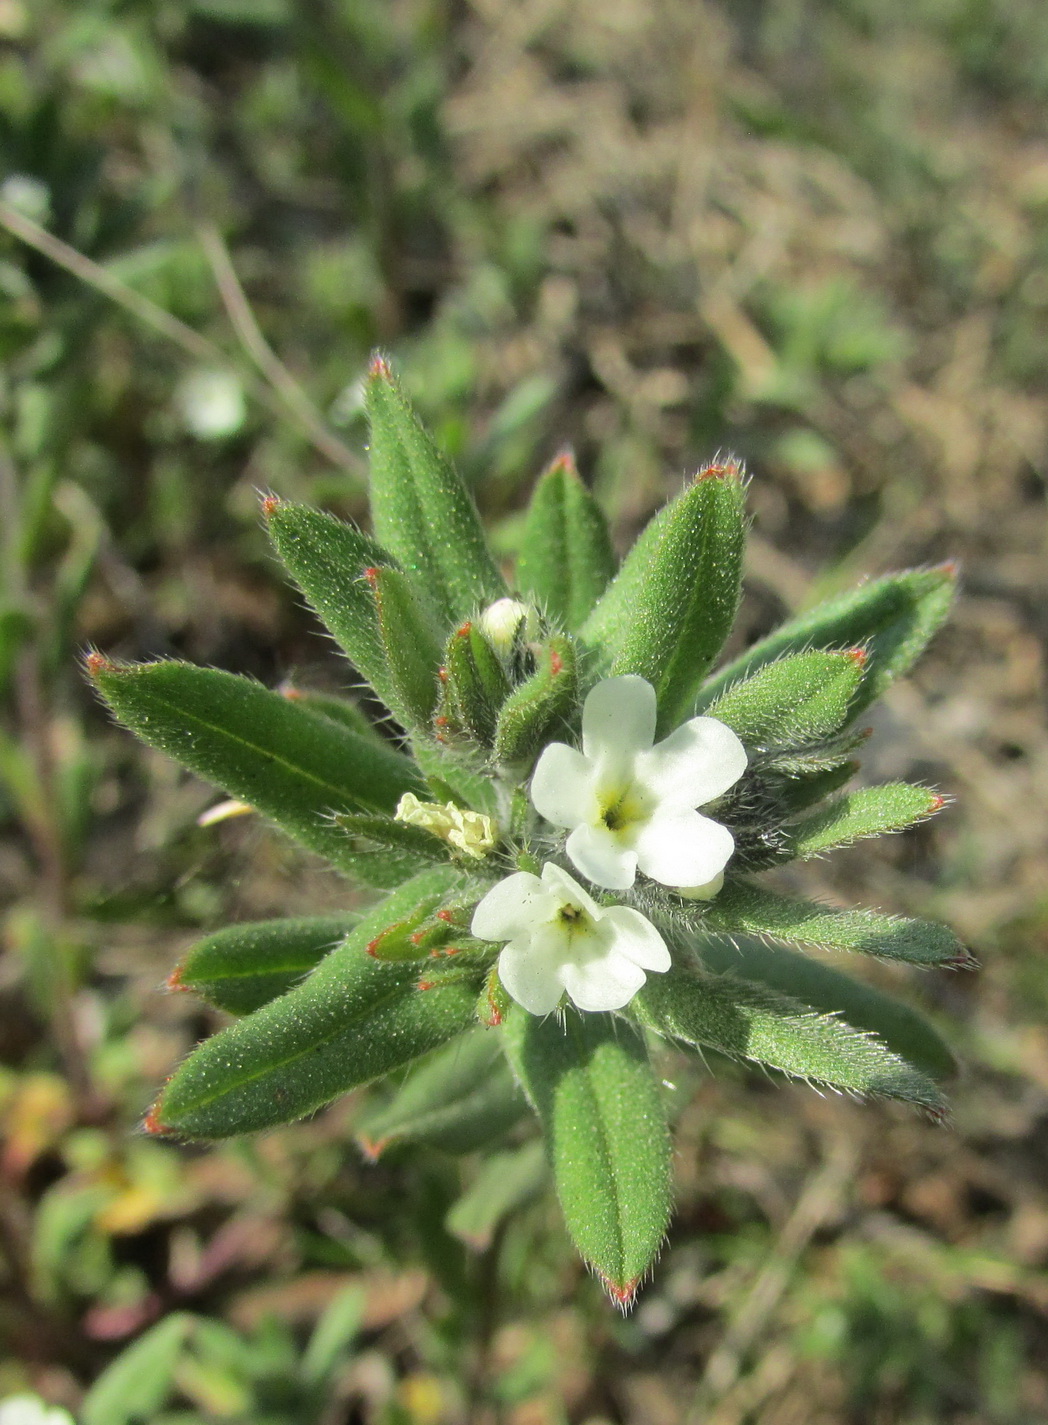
(468, 831)
(502, 621)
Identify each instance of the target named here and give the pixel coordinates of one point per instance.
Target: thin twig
(272, 393)
(238, 309)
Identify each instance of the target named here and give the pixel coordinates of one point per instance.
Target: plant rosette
(563, 839)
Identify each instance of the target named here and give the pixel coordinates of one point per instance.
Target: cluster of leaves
(327, 1004)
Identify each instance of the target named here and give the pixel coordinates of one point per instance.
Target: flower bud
(507, 622)
(471, 832)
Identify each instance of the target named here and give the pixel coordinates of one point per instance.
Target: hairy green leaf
(295, 767)
(421, 510)
(892, 618)
(797, 700)
(329, 560)
(539, 708)
(353, 1020)
(505, 1182)
(827, 990)
(242, 967)
(411, 642)
(459, 1099)
(590, 1082)
(741, 906)
(871, 811)
(752, 1022)
(566, 559)
(681, 609)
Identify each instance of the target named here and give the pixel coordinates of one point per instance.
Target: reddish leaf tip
(623, 1296)
(442, 721)
(372, 1148)
(564, 463)
(371, 575)
(174, 980)
(938, 802)
(442, 674)
(97, 663)
(380, 368)
(446, 916)
(426, 985)
(859, 656)
(464, 631)
(950, 567)
(556, 663)
(269, 504)
(728, 470)
(151, 1123)
(289, 691)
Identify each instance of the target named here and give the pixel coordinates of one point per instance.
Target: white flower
(631, 805)
(560, 939)
(31, 1410)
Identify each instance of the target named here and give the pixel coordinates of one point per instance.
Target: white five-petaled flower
(559, 939)
(630, 804)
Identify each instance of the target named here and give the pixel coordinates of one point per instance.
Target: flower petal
(618, 718)
(514, 907)
(531, 975)
(567, 890)
(595, 852)
(606, 983)
(679, 847)
(562, 786)
(636, 938)
(695, 764)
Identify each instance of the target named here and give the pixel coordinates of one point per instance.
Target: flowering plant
(566, 829)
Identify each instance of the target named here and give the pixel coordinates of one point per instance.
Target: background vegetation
(812, 233)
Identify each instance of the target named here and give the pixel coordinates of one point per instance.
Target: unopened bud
(507, 621)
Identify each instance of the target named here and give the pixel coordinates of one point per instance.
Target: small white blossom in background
(211, 404)
(559, 939)
(469, 831)
(31, 1410)
(28, 195)
(631, 805)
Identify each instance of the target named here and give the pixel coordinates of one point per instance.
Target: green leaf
(797, 791)
(892, 618)
(353, 1020)
(421, 510)
(295, 767)
(336, 709)
(505, 1182)
(827, 990)
(474, 686)
(795, 701)
(756, 911)
(590, 1082)
(752, 1022)
(681, 607)
(328, 560)
(244, 966)
(460, 1099)
(134, 1386)
(539, 708)
(397, 840)
(412, 645)
(566, 559)
(871, 811)
(333, 1335)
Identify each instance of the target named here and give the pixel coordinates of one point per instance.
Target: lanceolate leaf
(892, 618)
(684, 605)
(340, 710)
(295, 767)
(411, 642)
(800, 790)
(328, 560)
(353, 1020)
(566, 559)
(825, 989)
(797, 700)
(741, 906)
(752, 1022)
(871, 811)
(590, 1082)
(460, 1099)
(242, 967)
(421, 510)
